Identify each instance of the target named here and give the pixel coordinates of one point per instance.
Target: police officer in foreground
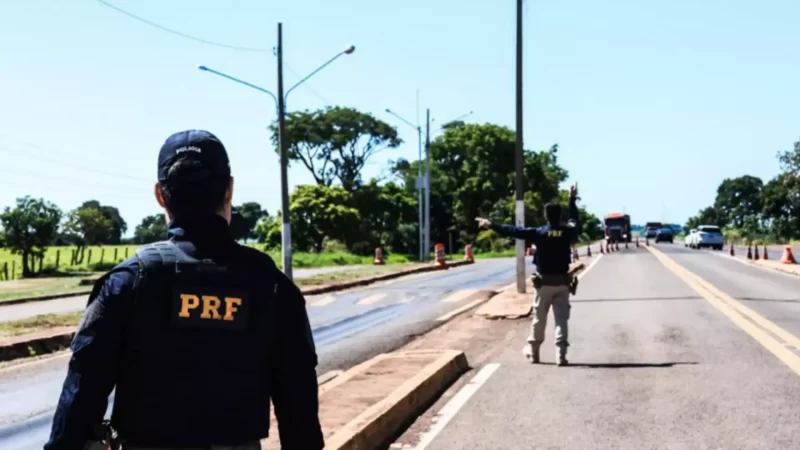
(552, 281)
(197, 333)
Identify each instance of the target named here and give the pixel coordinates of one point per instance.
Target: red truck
(617, 227)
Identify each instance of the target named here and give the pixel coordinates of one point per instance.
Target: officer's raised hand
(573, 191)
(483, 223)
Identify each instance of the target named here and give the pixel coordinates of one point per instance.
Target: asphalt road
(78, 302)
(654, 365)
(349, 327)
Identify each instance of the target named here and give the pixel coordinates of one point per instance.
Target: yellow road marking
(374, 298)
(739, 314)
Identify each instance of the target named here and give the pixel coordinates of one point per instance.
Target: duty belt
(552, 280)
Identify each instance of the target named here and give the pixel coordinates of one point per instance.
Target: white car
(709, 236)
(687, 240)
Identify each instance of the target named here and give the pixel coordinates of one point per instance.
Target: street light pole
(283, 144)
(520, 182)
(427, 253)
(420, 186)
(286, 227)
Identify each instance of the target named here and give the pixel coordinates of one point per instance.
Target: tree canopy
(29, 228)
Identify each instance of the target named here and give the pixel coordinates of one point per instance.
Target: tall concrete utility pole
(428, 185)
(520, 185)
(286, 228)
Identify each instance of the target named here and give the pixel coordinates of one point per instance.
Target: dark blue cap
(198, 145)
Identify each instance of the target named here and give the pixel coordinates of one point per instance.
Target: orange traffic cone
(529, 252)
(730, 252)
(749, 252)
(788, 258)
(637, 241)
(764, 255)
(575, 256)
(468, 253)
(647, 241)
(755, 253)
(588, 250)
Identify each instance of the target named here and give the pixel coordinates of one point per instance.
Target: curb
(379, 423)
(50, 343)
(45, 343)
(520, 311)
(314, 290)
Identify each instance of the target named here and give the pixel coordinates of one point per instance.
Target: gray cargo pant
(558, 298)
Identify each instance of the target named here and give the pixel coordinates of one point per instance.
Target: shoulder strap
(163, 253)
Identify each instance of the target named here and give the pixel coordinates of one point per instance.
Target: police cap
(198, 145)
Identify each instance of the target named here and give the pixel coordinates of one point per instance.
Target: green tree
(268, 230)
(384, 210)
(738, 198)
(335, 143)
(87, 226)
(250, 213)
(706, 216)
(118, 225)
(29, 228)
(319, 212)
(152, 229)
(780, 212)
(473, 174)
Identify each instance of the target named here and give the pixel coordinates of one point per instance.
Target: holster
(540, 280)
(103, 438)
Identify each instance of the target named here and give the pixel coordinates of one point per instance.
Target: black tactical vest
(553, 248)
(198, 343)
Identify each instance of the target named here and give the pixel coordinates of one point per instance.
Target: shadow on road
(630, 365)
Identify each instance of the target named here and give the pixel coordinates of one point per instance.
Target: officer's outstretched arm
(94, 364)
(574, 220)
(529, 234)
(295, 391)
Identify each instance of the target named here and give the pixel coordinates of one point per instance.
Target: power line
(49, 159)
(184, 35)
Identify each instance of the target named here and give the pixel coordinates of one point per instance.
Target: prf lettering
(211, 306)
(553, 233)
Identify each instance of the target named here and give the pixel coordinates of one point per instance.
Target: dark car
(664, 235)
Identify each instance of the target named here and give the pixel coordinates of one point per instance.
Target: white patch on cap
(188, 149)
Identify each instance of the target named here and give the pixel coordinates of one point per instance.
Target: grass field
(39, 323)
(102, 258)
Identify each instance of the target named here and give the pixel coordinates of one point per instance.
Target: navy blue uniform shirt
(552, 243)
(104, 358)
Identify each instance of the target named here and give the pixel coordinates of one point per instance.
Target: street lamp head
(388, 110)
(201, 67)
(349, 50)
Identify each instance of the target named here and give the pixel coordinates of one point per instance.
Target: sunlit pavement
(685, 350)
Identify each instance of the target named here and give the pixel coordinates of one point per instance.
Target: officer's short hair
(552, 211)
(193, 173)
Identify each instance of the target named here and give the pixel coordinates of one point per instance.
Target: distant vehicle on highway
(664, 235)
(708, 236)
(617, 228)
(651, 229)
(688, 237)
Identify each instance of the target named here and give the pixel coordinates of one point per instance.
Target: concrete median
(366, 406)
(510, 305)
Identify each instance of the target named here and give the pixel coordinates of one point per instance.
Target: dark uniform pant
(546, 296)
(255, 445)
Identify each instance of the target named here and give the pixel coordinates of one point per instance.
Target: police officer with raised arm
(196, 333)
(552, 281)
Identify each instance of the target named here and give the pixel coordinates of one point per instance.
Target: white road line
(458, 311)
(374, 298)
(327, 300)
(594, 261)
(457, 296)
(452, 407)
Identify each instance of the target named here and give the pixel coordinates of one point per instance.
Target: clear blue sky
(652, 103)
